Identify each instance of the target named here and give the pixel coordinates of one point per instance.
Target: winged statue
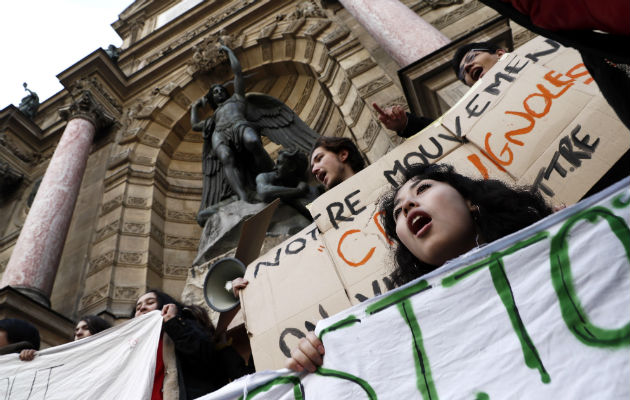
(233, 153)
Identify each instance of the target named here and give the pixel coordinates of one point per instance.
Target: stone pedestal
(35, 258)
(400, 31)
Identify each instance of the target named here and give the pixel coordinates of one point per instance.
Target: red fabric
(612, 16)
(158, 380)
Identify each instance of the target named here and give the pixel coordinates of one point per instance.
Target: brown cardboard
(347, 257)
(287, 286)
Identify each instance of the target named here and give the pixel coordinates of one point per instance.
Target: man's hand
(169, 311)
(239, 284)
(393, 118)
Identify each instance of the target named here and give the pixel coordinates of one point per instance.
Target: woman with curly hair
(435, 215)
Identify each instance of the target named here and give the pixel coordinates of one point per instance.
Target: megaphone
(217, 287)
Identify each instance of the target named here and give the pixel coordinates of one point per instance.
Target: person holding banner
(436, 215)
(187, 362)
(87, 326)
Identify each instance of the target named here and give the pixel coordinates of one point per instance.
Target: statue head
(291, 164)
(217, 95)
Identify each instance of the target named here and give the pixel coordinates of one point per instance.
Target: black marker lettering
(351, 204)
(334, 217)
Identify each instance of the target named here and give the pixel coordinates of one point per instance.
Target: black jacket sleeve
(414, 125)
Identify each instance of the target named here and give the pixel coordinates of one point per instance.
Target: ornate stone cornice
(86, 107)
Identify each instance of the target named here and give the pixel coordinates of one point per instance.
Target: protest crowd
(434, 214)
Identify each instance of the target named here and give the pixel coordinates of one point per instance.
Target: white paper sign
(118, 363)
(541, 314)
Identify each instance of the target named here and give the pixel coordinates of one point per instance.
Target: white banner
(118, 363)
(541, 314)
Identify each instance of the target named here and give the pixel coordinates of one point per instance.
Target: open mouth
(475, 73)
(321, 176)
(418, 222)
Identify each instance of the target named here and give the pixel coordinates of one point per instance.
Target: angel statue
(233, 153)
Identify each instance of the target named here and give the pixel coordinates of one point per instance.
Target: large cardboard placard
(543, 314)
(118, 363)
(536, 118)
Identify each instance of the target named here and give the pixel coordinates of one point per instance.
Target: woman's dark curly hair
(502, 210)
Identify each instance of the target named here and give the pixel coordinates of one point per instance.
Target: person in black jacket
(197, 362)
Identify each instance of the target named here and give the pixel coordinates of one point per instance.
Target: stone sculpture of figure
(233, 153)
(113, 52)
(30, 103)
(288, 182)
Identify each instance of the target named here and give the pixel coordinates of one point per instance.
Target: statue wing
(274, 119)
(215, 184)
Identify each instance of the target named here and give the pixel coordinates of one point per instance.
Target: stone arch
(330, 81)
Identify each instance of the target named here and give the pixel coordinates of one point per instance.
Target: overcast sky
(41, 38)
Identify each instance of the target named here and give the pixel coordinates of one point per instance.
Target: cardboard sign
(118, 363)
(543, 313)
(538, 115)
(570, 139)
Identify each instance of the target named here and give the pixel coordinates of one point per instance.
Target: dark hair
(336, 145)
(162, 300)
(210, 97)
(189, 311)
(199, 314)
(20, 331)
(460, 53)
(502, 210)
(95, 324)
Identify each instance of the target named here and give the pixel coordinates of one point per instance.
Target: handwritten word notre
(568, 153)
(336, 209)
(370, 252)
(293, 247)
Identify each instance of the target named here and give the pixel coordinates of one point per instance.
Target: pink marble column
(35, 258)
(400, 31)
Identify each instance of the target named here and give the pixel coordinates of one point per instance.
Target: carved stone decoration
(206, 54)
(130, 257)
(9, 179)
(112, 204)
(95, 296)
(442, 3)
(306, 9)
(374, 86)
(85, 107)
(370, 134)
(100, 262)
(176, 271)
(24, 155)
(127, 292)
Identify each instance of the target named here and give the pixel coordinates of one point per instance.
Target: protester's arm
(414, 125)
(308, 355)
(403, 123)
(187, 335)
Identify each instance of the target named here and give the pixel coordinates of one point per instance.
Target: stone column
(400, 31)
(33, 264)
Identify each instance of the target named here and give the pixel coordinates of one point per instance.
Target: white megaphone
(217, 287)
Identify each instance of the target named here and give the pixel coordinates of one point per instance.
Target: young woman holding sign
(436, 215)
(187, 362)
